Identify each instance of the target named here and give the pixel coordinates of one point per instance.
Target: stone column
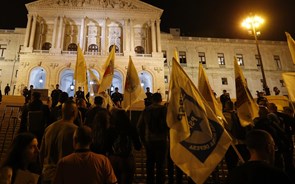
(54, 33)
(33, 31)
(81, 33)
(103, 38)
(28, 30)
(125, 37)
(59, 36)
(153, 36)
(84, 34)
(131, 36)
(159, 47)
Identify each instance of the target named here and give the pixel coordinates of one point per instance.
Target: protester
(117, 97)
(55, 95)
(122, 137)
(224, 98)
(153, 131)
(148, 99)
(6, 89)
(58, 141)
(259, 169)
(79, 94)
(84, 166)
(89, 117)
(22, 153)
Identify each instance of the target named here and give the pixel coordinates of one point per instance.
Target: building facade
(44, 53)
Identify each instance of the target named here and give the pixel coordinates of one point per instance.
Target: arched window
(139, 50)
(93, 48)
(116, 49)
(72, 47)
(46, 46)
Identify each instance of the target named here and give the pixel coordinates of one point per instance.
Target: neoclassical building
(44, 53)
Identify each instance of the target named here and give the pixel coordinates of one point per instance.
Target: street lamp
(252, 23)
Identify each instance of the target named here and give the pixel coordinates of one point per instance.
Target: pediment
(133, 5)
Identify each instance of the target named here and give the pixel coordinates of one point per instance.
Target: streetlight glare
(254, 21)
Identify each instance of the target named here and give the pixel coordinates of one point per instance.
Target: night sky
(202, 18)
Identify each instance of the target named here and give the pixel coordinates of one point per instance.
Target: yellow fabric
(207, 92)
(280, 101)
(108, 75)
(133, 91)
(289, 79)
(247, 108)
(198, 141)
(291, 44)
(81, 72)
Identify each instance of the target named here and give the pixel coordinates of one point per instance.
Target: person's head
(147, 89)
(82, 137)
(98, 100)
(102, 121)
(289, 111)
(63, 96)
(57, 86)
(79, 88)
(23, 151)
(229, 106)
(157, 98)
(272, 107)
(36, 96)
(224, 91)
(119, 118)
(81, 103)
(7, 84)
(263, 111)
(260, 145)
(116, 89)
(31, 86)
(69, 110)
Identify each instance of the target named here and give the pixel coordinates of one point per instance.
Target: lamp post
(252, 23)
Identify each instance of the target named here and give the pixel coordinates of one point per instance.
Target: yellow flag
(108, 75)
(176, 56)
(81, 72)
(133, 91)
(289, 79)
(206, 91)
(198, 142)
(291, 44)
(247, 108)
(95, 81)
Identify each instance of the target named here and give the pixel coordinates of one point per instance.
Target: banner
(198, 142)
(108, 75)
(81, 72)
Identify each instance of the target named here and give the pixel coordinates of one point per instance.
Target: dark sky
(203, 18)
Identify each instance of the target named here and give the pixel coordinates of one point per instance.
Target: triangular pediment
(134, 5)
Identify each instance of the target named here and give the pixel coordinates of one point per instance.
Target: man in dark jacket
(153, 131)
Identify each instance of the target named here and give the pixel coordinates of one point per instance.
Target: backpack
(122, 145)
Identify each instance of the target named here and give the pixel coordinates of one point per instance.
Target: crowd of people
(72, 142)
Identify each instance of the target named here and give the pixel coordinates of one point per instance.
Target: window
(224, 81)
(278, 61)
(93, 48)
(0, 72)
(46, 46)
(258, 60)
(16, 71)
(116, 49)
(166, 79)
(240, 59)
(72, 47)
(202, 58)
(165, 56)
(182, 57)
(220, 58)
(139, 50)
(2, 49)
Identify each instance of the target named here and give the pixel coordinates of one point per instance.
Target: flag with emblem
(289, 80)
(247, 108)
(133, 91)
(207, 92)
(291, 45)
(80, 75)
(108, 75)
(198, 141)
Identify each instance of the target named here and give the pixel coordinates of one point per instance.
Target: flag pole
(130, 105)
